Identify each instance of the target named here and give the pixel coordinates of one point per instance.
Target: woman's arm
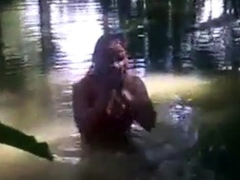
(141, 104)
(84, 115)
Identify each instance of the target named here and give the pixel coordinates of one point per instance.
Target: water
(36, 91)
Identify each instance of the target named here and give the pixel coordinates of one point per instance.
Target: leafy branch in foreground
(20, 140)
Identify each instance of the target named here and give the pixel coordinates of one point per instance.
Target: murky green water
(39, 65)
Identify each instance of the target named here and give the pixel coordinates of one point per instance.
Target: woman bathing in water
(108, 99)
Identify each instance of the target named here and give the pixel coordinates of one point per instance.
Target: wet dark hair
(102, 58)
(102, 53)
(101, 48)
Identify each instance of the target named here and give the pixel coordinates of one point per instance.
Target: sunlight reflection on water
(213, 9)
(44, 109)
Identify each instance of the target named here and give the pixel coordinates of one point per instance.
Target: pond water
(38, 67)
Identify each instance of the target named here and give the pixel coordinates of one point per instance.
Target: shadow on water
(219, 127)
(40, 103)
(61, 126)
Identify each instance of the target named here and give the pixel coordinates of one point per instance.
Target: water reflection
(76, 35)
(43, 106)
(210, 12)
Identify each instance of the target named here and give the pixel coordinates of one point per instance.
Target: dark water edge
(42, 54)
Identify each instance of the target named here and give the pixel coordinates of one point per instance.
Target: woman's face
(120, 58)
(115, 57)
(117, 47)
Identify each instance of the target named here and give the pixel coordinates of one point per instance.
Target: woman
(108, 99)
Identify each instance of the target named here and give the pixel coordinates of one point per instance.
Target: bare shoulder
(82, 83)
(134, 79)
(134, 83)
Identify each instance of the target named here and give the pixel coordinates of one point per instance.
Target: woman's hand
(117, 104)
(127, 95)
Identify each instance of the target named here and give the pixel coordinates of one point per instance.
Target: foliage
(218, 144)
(18, 139)
(4, 3)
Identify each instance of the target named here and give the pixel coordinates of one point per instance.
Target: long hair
(118, 104)
(102, 52)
